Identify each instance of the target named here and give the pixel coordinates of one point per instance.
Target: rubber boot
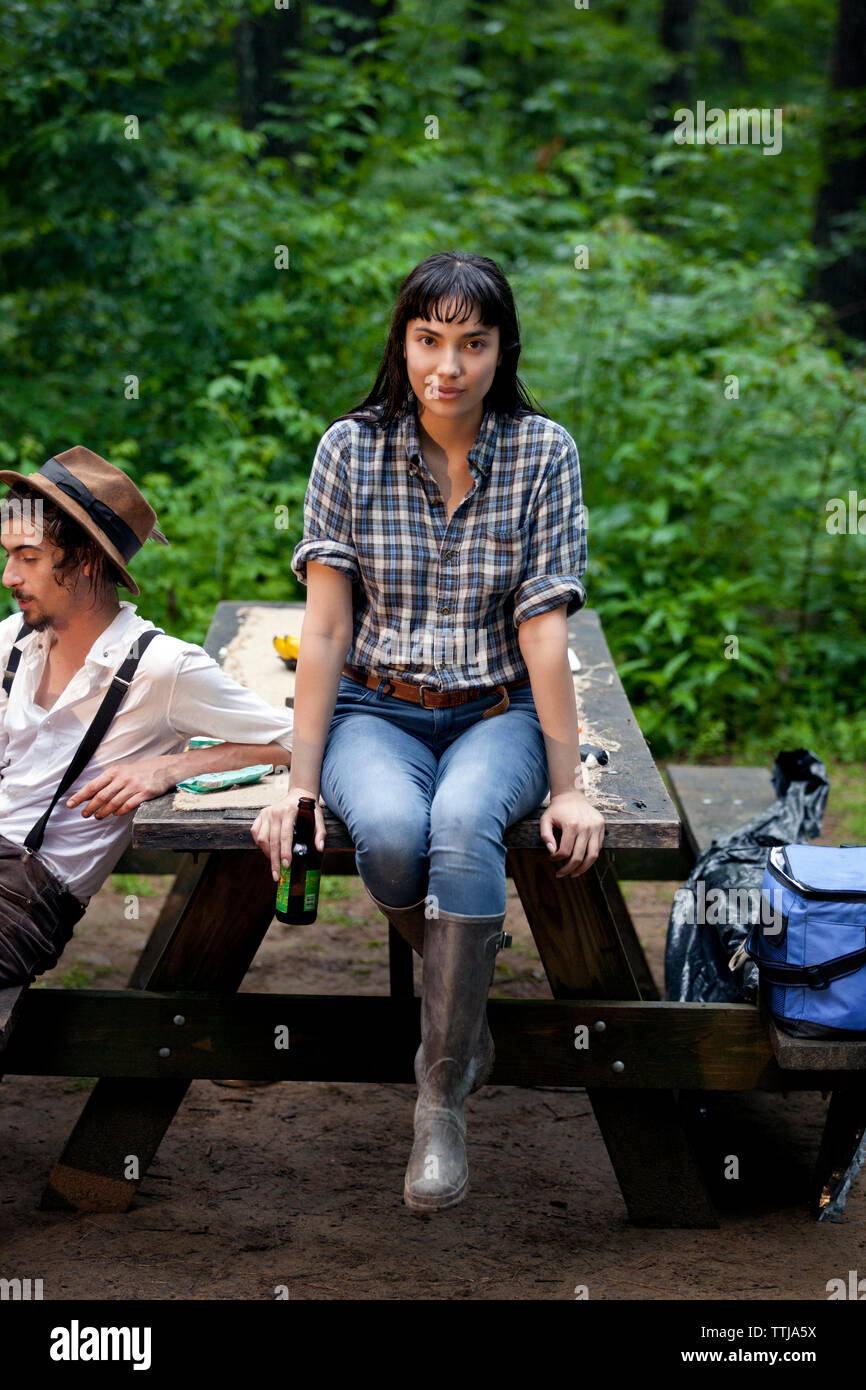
(410, 923)
(459, 961)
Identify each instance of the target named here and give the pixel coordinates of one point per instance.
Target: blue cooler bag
(810, 945)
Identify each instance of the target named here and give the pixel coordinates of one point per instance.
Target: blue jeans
(427, 793)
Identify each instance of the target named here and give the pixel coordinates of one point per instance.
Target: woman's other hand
(273, 828)
(582, 829)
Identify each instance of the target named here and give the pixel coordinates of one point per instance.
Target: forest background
(206, 210)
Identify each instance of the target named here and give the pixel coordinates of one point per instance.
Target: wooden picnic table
(182, 1017)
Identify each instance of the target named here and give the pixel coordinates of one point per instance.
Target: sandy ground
(300, 1184)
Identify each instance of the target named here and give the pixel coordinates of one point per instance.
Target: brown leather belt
(429, 697)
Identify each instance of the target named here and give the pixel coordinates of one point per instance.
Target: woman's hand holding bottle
(273, 828)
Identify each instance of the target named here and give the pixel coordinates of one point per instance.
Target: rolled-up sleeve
(204, 700)
(327, 513)
(556, 558)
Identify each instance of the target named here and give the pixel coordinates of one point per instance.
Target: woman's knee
(391, 853)
(458, 818)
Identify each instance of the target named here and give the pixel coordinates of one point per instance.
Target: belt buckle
(816, 977)
(433, 691)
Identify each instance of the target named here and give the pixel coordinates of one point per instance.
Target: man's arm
(202, 700)
(125, 786)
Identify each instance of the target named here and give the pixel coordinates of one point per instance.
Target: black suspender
(14, 658)
(98, 728)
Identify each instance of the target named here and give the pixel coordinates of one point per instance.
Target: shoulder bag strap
(14, 658)
(96, 733)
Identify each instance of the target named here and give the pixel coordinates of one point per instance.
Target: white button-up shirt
(176, 692)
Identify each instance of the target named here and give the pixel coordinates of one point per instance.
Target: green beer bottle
(298, 890)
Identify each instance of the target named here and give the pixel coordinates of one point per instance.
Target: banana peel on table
(288, 648)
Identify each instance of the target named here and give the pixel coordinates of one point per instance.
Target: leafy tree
(197, 293)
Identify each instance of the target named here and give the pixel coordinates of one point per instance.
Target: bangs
(451, 293)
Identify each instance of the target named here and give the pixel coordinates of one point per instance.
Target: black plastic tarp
(706, 926)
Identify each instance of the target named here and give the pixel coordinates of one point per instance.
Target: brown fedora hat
(102, 499)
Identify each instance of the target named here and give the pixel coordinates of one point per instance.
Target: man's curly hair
(77, 547)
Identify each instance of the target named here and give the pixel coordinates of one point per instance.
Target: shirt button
(448, 554)
(445, 608)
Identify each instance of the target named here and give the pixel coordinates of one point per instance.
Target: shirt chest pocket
(501, 558)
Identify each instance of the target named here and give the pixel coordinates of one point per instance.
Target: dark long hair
(464, 282)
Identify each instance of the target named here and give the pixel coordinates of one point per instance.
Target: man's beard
(40, 621)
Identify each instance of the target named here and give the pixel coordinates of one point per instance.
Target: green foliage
(333, 886)
(847, 800)
(77, 976)
(138, 885)
(157, 258)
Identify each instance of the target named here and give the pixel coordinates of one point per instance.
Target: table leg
(210, 948)
(581, 927)
(841, 1154)
(189, 872)
(10, 1004)
(638, 963)
(400, 965)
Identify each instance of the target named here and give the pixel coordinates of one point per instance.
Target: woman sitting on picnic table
(443, 546)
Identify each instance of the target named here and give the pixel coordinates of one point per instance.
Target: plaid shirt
(436, 601)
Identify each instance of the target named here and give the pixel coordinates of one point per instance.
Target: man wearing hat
(96, 704)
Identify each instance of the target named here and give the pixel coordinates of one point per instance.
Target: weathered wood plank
(637, 780)
(189, 870)
(816, 1054)
(711, 1047)
(625, 927)
(157, 825)
(714, 800)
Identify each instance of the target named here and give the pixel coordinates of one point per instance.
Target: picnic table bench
(605, 1028)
